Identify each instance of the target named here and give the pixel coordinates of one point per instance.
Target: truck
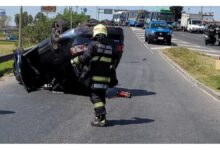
(192, 22)
(119, 18)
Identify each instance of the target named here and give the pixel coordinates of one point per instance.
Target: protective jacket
(98, 72)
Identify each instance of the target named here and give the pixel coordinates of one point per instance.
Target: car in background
(10, 38)
(158, 31)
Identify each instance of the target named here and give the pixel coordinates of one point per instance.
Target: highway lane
(194, 38)
(192, 41)
(165, 108)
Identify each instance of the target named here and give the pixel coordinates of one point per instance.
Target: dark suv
(158, 31)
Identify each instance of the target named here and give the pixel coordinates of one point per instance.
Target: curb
(188, 77)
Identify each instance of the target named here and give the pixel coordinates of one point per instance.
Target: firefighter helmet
(99, 29)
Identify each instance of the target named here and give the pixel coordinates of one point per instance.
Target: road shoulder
(189, 78)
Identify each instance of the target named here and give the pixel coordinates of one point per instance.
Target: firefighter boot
(100, 121)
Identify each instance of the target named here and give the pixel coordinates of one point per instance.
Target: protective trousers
(97, 98)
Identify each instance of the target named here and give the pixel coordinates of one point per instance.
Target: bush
(5, 67)
(40, 29)
(36, 33)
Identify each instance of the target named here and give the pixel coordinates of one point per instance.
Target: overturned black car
(49, 62)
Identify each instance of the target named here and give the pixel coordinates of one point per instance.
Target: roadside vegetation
(34, 30)
(40, 28)
(6, 68)
(200, 66)
(7, 47)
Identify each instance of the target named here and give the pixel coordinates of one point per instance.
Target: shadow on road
(5, 112)
(164, 44)
(135, 120)
(134, 92)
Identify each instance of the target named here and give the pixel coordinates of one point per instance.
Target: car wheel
(145, 39)
(190, 30)
(17, 58)
(148, 40)
(169, 42)
(58, 27)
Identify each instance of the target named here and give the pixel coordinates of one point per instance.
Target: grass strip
(6, 68)
(200, 66)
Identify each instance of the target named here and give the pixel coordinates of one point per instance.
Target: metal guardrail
(6, 58)
(11, 56)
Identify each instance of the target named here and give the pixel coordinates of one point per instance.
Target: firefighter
(98, 60)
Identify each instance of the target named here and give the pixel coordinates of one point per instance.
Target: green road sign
(107, 11)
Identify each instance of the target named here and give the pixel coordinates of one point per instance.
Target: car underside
(48, 64)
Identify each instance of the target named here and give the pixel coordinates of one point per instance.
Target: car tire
(58, 27)
(17, 53)
(148, 40)
(145, 39)
(169, 42)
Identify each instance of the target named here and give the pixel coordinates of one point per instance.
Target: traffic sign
(2, 12)
(48, 9)
(84, 10)
(107, 11)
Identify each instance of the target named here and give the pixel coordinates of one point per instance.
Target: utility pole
(77, 9)
(20, 23)
(98, 14)
(71, 17)
(201, 9)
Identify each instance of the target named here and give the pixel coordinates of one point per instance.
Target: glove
(75, 60)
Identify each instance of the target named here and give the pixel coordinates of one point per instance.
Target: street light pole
(98, 14)
(71, 17)
(20, 36)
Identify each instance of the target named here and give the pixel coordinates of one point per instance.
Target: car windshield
(141, 16)
(158, 25)
(196, 22)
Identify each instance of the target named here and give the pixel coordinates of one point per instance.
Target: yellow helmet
(99, 29)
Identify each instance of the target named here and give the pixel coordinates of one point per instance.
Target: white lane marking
(217, 55)
(186, 45)
(136, 29)
(203, 50)
(142, 39)
(178, 42)
(161, 47)
(141, 36)
(148, 48)
(144, 43)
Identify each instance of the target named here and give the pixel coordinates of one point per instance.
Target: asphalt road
(165, 108)
(195, 38)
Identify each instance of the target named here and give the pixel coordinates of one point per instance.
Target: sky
(91, 10)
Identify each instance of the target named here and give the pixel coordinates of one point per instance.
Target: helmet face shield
(99, 29)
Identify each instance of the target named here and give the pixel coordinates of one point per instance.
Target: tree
(26, 19)
(176, 10)
(30, 19)
(17, 16)
(76, 18)
(40, 28)
(7, 21)
(4, 21)
(40, 17)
